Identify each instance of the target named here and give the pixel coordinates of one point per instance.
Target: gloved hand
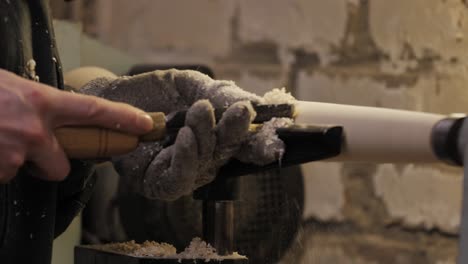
(201, 147)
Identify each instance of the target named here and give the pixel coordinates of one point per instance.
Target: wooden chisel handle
(95, 142)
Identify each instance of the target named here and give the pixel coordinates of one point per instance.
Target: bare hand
(31, 111)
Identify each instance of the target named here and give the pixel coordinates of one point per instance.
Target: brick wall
(406, 54)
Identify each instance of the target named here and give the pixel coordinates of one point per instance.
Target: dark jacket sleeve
(74, 193)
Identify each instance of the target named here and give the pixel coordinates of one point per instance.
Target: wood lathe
(328, 132)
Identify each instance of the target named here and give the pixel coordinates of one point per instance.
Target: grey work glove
(201, 147)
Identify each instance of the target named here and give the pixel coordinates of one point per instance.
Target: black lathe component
(218, 213)
(303, 144)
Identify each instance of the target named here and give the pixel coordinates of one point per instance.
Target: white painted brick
(313, 25)
(450, 92)
(256, 84)
(442, 91)
(258, 79)
(420, 197)
(324, 191)
(356, 90)
(188, 26)
(427, 26)
(449, 261)
(317, 247)
(332, 254)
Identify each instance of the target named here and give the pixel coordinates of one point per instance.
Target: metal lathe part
(218, 225)
(463, 150)
(445, 139)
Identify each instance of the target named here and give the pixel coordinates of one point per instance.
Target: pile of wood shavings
(154, 249)
(198, 249)
(146, 249)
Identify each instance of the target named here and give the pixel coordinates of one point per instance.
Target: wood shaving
(30, 70)
(264, 146)
(278, 96)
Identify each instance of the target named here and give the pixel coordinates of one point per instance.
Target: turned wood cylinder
(378, 135)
